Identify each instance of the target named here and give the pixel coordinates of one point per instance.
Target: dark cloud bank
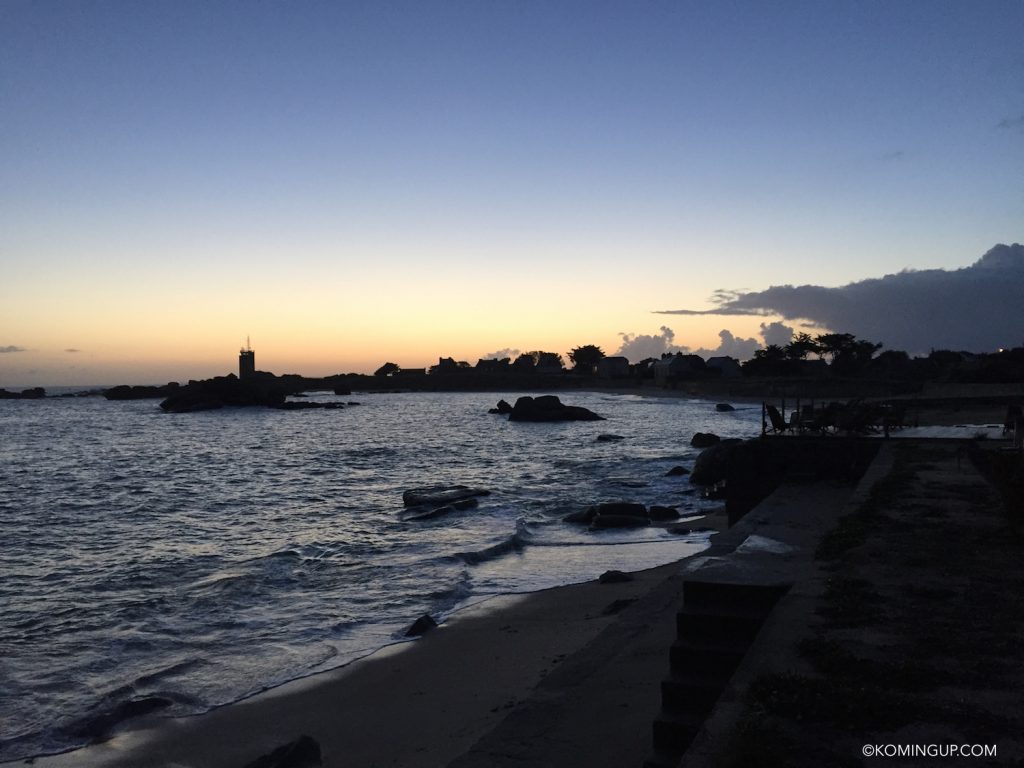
(979, 308)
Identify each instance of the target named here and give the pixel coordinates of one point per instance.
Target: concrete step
(709, 662)
(754, 599)
(717, 625)
(685, 694)
(674, 732)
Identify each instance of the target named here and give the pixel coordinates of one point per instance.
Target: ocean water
(205, 557)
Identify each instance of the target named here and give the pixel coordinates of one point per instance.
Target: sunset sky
(349, 183)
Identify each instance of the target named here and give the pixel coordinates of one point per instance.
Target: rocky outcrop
(677, 471)
(501, 408)
(621, 514)
(421, 626)
(712, 465)
(724, 407)
(436, 495)
(126, 392)
(607, 438)
(36, 393)
(704, 439)
(549, 408)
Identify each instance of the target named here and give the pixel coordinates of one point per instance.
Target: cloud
(776, 333)
(891, 157)
(12, 348)
(501, 354)
(72, 350)
(637, 347)
(976, 308)
(741, 349)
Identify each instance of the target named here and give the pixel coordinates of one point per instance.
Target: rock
(36, 393)
(584, 516)
(438, 495)
(676, 471)
(712, 464)
(502, 407)
(342, 391)
(262, 390)
(614, 577)
(609, 438)
(125, 392)
(619, 521)
(304, 752)
(663, 513)
(622, 508)
(704, 440)
(549, 408)
(724, 407)
(421, 626)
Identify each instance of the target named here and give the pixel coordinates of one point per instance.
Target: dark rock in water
(619, 521)
(585, 516)
(704, 440)
(97, 727)
(125, 392)
(304, 752)
(712, 464)
(549, 408)
(264, 390)
(622, 508)
(421, 626)
(614, 577)
(502, 407)
(609, 438)
(724, 407)
(36, 393)
(440, 494)
(663, 513)
(676, 471)
(290, 406)
(342, 391)
(447, 509)
(353, 402)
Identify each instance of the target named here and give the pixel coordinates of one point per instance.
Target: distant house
(678, 367)
(492, 365)
(612, 368)
(728, 367)
(407, 373)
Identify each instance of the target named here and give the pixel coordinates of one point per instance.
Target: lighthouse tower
(246, 361)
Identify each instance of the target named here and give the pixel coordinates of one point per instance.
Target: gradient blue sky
(353, 183)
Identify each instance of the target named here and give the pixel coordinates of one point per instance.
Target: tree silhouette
(586, 357)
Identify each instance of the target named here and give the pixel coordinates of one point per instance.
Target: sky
(353, 183)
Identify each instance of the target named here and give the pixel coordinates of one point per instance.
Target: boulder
(609, 438)
(614, 577)
(421, 626)
(662, 513)
(549, 408)
(439, 495)
(724, 407)
(676, 471)
(619, 521)
(626, 508)
(584, 516)
(304, 752)
(502, 407)
(712, 465)
(704, 440)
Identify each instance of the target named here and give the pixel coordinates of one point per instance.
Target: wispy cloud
(974, 308)
(12, 348)
(72, 350)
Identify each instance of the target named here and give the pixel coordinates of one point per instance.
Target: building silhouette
(246, 362)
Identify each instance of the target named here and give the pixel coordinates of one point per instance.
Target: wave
(516, 542)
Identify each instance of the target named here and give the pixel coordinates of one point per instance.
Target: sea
(202, 558)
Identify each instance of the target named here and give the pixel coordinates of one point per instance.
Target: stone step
(674, 732)
(685, 694)
(755, 599)
(711, 662)
(717, 625)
